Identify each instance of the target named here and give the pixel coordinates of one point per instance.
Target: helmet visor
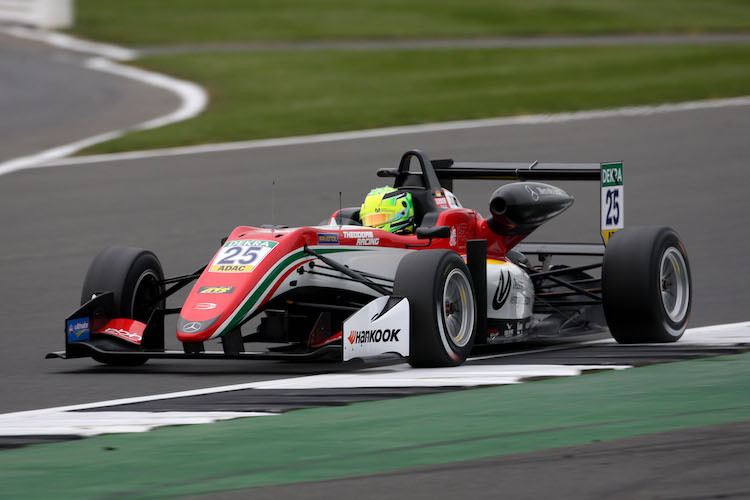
(377, 219)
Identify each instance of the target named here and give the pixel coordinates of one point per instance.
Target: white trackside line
(109, 422)
(632, 111)
(271, 384)
(533, 351)
(728, 334)
(193, 100)
(66, 421)
(459, 376)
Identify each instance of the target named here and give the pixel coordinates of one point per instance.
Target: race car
(344, 290)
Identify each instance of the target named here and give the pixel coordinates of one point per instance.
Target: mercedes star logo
(191, 327)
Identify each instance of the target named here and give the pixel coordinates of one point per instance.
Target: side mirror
(433, 232)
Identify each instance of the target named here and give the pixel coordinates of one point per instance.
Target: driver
(388, 209)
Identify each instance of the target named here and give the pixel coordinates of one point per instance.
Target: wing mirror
(433, 232)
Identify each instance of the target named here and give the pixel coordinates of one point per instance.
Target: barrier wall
(48, 14)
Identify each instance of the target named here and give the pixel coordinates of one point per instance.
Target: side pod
(519, 208)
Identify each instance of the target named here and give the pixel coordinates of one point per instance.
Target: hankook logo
(366, 336)
(191, 327)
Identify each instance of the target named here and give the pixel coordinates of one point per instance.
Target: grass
(146, 22)
(285, 93)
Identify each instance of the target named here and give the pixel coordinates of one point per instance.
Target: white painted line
(721, 335)
(728, 334)
(633, 111)
(109, 422)
(458, 376)
(226, 388)
(65, 421)
(533, 351)
(716, 335)
(58, 421)
(33, 161)
(193, 100)
(68, 42)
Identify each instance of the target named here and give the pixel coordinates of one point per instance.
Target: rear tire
(133, 275)
(646, 285)
(442, 304)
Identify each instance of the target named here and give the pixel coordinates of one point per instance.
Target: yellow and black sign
(231, 268)
(216, 289)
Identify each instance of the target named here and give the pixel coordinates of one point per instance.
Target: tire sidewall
(120, 270)
(421, 277)
(631, 284)
(146, 268)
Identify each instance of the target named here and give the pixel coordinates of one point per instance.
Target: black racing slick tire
(134, 276)
(646, 285)
(443, 307)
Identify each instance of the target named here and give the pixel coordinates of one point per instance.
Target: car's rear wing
(444, 172)
(608, 174)
(448, 170)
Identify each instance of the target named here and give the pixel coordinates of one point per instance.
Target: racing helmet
(389, 209)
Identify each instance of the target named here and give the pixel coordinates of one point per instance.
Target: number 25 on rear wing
(612, 205)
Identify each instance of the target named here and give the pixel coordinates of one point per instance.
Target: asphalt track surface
(47, 99)
(686, 170)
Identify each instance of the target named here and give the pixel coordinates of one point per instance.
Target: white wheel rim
(674, 284)
(457, 308)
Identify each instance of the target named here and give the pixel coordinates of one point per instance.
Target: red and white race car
(349, 291)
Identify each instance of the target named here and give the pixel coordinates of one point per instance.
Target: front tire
(134, 275)
(646, 285)
(442, 304)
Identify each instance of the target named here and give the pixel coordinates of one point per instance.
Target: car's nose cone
(190, 327)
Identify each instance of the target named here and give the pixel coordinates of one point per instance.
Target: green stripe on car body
(242, 312)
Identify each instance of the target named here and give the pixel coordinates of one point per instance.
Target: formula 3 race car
(347, 291)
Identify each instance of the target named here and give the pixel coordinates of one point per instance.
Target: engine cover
(510, 292)
(519, 208)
